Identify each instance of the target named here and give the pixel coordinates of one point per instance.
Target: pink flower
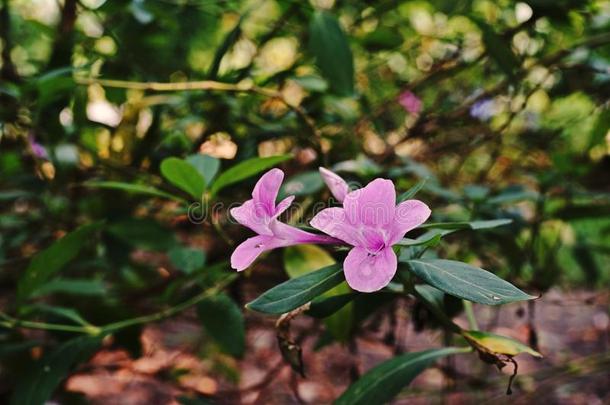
(372, 223)
(337, 186)
(260, 214)
(410, 102)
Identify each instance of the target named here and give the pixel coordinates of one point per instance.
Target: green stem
(472, 320)
(13, 323)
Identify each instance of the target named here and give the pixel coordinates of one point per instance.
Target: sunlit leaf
(497, 344)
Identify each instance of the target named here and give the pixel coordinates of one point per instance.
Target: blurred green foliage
(123, 113)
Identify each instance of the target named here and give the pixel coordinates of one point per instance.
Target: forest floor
(571, 330)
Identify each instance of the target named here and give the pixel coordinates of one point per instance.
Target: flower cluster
(369, 221)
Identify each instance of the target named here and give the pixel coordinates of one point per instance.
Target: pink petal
(372, 205)
(366, 272)
(296, 236)
(283, 206)
(248, 215)
(333, 222)
(337, 186)
(409, 215)
(265, 192)
(245, 254)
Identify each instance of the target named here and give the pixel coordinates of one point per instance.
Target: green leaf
(143, 233)
(71, 287)
(187, 260)
(63, 312)
(410, 193)
(312, 83)
(382, 383)
(430, 239)
(132, 188)
(246, 169)
(224, 322)
(297, 291)
(325, 306)
(10, 348)
(206, 165)
(41, 380)
(302, 184)
(467, 282)
(227, 43)
(303, 259)
(184, 176)
(330, 47)
(497, 344)
(382, 38)
(52, 259)
(498, 48)
(475, 225)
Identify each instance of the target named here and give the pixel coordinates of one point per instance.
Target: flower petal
(247, 215)
(283, 206)
(295, 236)
(245, 254)
(366, 272)
(265, 192)
(409, 215)
(372, 205)
(333, 222)
(337, 186)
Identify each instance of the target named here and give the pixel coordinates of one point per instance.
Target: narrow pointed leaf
(467, 282)
(475, 225)
(132, 188)
(410, 193)
(52, 259)
(297, 291)
(246, 169)
(41, 380)
(384, 382)
(224, 322)
(329, 45)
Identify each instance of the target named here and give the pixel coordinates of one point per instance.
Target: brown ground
(573, 332)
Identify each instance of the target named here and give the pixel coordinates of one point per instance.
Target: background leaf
(329, 45)
(41, 380)
(224, 322)
(184, 176)
(246, 169)
(52, 259)
(382, 383)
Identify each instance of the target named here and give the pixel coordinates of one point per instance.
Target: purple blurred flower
(337, 186)
(260, 214)
(410, 102)
(37, 149)
(372, 223)
(483, 109)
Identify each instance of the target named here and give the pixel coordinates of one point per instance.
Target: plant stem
(13, 323)
(472, 320)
